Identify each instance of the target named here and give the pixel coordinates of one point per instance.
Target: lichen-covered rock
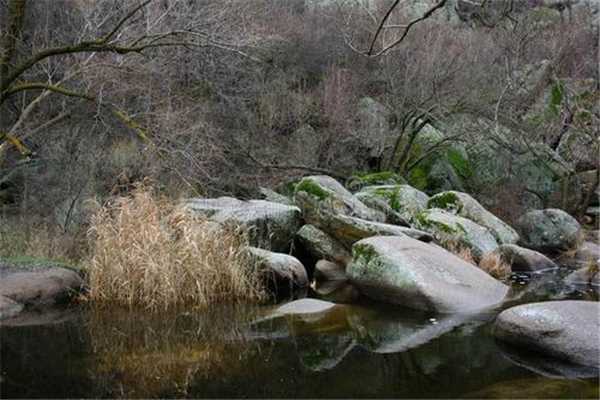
(521, 259)
(321, 193)
(579, 148)
(321, 245)
(447, 227)
(401, 203)
(43, 286)
(566, 330)
(549, 231)
(305, 306)
(464, 205)
(405, 271)
(270, 225)
(283, 271)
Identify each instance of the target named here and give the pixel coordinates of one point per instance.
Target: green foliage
(461, 165)
(556, 97)
(312, 188)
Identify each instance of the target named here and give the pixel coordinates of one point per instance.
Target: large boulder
(549, 231)
(284, 272)
(449, 228)
(323, 194)
(408, 272)
(270, 225)
(401, 203)
(359, 181)
(464, 205)
(521, 259)
(320, 245)
(567, 330)
(41, 286)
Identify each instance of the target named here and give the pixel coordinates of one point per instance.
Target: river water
(358, 350)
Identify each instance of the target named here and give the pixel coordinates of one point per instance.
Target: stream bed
(358, 350)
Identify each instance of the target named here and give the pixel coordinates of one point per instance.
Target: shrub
(148, 252)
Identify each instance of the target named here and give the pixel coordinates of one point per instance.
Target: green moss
(360, 180)
(313, 189)
(461, 165)
(445, 200)
(363, 253)
(392, 195)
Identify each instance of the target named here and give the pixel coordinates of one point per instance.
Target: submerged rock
(271, 225)
(44, 286)
(567, 330)
(400, 203)
(323, 194)
(521, 259)
(464, 205)
(408, 272)
(305, 306)
(549, 231)
(321, 245)
(283, 271)
(446, 227)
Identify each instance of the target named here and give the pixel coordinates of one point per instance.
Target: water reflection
(351, 350)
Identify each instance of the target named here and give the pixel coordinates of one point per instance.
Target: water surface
(359, 350)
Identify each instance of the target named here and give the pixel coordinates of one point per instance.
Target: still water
(358, 350)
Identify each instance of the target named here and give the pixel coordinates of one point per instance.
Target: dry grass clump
(494, 264)
(458, 249)
(147, 252)
(29, 239)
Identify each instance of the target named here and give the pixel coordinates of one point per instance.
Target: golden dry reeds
(145, 251)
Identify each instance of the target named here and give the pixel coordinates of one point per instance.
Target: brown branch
(298, 167)
(427, 14)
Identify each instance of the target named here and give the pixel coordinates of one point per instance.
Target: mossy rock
(359, 181)
(462, 204)
(452, 230)
(401, 203)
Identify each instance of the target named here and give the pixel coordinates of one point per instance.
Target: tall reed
(148, 252)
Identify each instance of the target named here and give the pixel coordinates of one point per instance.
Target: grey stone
(525, 260)
(549, 231)
(40, 287)
(285, 271)
(567, 330)
(405, 271)
(271, 225)
(330, 271)
(321, 245)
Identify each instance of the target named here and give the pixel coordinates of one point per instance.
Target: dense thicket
(253, 94)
